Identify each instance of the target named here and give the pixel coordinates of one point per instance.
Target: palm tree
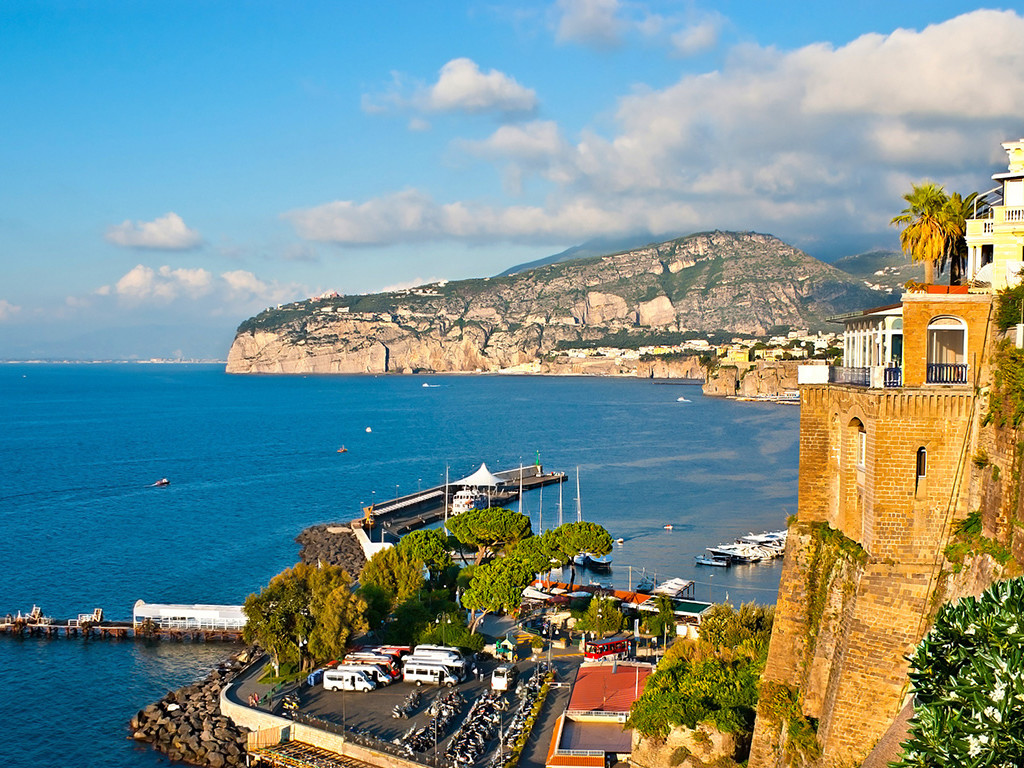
(925, 226)
(957, 210)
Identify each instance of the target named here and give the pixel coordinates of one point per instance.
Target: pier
(94, 626)
(414, 510)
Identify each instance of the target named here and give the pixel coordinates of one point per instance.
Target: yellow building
(995, 240)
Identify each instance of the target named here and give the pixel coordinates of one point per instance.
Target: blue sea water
(252, 461)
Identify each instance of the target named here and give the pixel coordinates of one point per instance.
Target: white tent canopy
(482, 478)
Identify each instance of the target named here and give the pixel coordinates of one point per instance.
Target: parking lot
(367, 716)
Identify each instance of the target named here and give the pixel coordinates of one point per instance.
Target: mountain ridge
(741, 282)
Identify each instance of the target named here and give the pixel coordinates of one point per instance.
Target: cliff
(738, 282)
(755, 379)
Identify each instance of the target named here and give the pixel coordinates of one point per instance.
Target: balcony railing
(892, 377)
(947, 373)
(856, 377)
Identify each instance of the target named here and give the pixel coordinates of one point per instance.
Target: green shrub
(967, 685)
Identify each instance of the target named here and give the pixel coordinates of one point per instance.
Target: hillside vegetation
(737, 282)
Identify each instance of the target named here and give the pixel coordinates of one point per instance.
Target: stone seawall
(188, 724)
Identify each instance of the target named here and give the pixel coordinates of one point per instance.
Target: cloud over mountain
(806, 142)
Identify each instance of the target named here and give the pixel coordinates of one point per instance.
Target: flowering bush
(968, 686)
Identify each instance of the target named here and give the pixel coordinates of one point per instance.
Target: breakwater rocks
(333, 544)
(187, 724)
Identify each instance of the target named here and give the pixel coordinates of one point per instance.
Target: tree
(925, 227)
(497, 586)
(572, 538)
(602, 616)
(967, 685)
(395, 572)
(338, 614)
(957, 211)
(490, 530)
(430, 546)
(305, 614)
(664, 620)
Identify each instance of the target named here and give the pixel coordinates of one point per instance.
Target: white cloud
(201, 289)
(696, 38)
(164, 284)
(592, 22)
(8, 310)
(805, 143)
(462, 87)
(167, 232)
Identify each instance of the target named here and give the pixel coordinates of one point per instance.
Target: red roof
(598, 689)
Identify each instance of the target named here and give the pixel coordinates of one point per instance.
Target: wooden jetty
(94, 626)
(414, 510)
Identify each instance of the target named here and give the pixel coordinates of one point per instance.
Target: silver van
(503, 678)
(451, 656)
(431, 672)
(347, 679)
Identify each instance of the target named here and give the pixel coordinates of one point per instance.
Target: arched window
(947, 351)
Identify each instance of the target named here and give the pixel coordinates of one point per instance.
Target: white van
(432, 672)
(347, 679)
(377, 673)
(438, 652)
(504, 677)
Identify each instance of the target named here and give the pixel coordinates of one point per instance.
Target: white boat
(467, 499)
(682, 400)
(719, 562)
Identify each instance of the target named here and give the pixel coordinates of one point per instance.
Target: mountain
(881, 269)
(599, 246)
(738, 282)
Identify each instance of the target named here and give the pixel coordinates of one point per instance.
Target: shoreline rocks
(334, 544)
(187, 724)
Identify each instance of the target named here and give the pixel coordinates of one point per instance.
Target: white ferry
(467, 499)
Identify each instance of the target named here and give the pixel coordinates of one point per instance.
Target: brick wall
(849, 666)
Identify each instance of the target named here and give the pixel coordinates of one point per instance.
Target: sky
(168, 169)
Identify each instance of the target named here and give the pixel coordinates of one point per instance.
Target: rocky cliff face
(740, 282)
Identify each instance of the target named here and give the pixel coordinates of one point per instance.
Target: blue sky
(183, 165)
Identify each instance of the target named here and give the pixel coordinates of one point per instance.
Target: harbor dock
(94, 626)
(411, 511)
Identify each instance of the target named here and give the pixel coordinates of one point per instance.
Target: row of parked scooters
(480, 727)
(421, 738)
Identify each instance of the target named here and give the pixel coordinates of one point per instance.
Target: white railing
(1014, 215)
(185, 623)
(988, 228)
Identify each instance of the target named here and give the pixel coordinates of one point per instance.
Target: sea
(252, 460)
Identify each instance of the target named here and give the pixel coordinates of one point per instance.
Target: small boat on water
(667, 526)
(719, 562)
(601, 563)
(343, 449)
(682, 400)
(161, 483)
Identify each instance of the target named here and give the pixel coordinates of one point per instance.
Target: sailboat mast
(559, 503)
(520, 486)
(579, 505)
(540, 517)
